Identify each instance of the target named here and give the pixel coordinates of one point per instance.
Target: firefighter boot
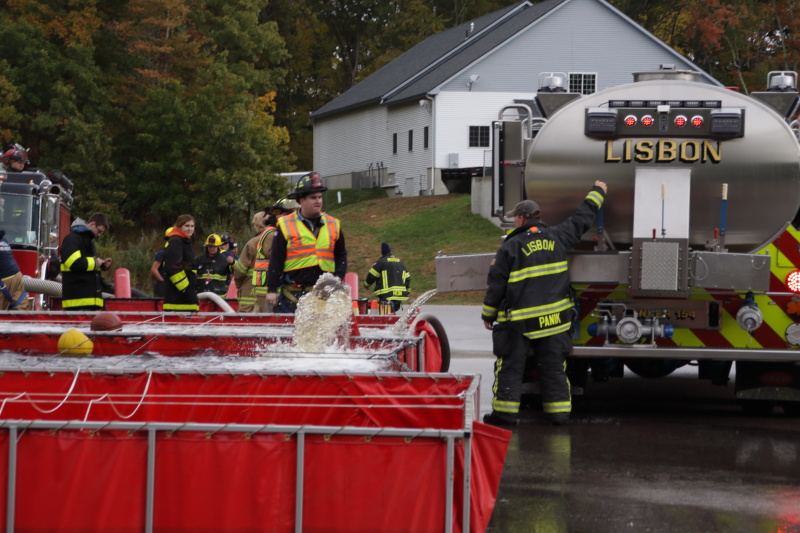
(501, 420)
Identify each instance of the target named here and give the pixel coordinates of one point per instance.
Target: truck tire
(653, 368)
(757, 407)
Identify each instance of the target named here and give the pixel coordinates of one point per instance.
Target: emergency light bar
(663, 121)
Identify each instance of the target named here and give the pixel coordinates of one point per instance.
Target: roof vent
(782, 81)
(552, 82)
(666, 71)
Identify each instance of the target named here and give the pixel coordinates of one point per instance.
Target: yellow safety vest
(303, 250)
(261, 265)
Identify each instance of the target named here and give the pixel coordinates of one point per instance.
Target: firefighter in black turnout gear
(391, 280)
(180, 290)
(214, 269)
(82, 286)
(528, 305)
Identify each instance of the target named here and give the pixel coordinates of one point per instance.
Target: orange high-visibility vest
(261, 265)
(303, 250)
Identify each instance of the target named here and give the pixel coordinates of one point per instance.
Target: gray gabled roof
(427, 59)
(442, 56)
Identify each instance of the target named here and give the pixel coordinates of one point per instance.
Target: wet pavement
(669, 455)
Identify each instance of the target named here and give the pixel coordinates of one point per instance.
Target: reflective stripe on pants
(550, 353)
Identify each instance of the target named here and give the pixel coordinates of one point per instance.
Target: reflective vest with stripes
(303, 249)
(261, 265)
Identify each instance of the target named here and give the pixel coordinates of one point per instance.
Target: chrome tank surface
(761, 168)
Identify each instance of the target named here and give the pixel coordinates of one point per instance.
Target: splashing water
(404, 322)
(323, 316)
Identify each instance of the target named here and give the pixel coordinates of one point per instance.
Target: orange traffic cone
(355, 307)
(373, 307)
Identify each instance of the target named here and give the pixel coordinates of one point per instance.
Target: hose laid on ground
(42, 286)
(217, 299)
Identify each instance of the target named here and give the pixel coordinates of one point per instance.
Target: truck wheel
(791, 409)
(757, 407)
(444, 343)
(653, 368)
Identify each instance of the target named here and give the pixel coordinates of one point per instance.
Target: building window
(394, 143)
(425, 137)
(410, 140)
(479, 136)
(582, 82)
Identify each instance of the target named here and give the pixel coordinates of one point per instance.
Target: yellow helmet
(213, 240)
(284, 205)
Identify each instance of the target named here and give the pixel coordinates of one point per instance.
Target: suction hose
(42, 286)
(217, 299)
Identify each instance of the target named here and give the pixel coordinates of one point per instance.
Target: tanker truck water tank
(713, 135)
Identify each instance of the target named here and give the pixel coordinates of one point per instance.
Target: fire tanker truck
(35, 214)
(695, 257)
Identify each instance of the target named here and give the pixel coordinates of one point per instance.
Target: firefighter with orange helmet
(307, 243)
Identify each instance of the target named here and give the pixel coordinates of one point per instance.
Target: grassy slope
(416, 228)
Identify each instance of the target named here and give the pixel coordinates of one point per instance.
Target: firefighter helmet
(311, 182)
(225, 237)
(15, 154)
(284, 205)
(214, 240)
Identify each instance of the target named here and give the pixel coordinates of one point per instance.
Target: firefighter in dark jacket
(213, 267)
(391, 280)
(528, 296)
(180, 290)
(81, 284)
(307, 243)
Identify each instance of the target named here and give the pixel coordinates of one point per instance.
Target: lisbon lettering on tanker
(663, 151)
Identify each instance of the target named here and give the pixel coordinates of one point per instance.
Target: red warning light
(793, 281)
(680, 121)
(647, 121)
(630, 120)
(697, 121)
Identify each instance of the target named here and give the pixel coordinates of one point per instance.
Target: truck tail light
(793, 281)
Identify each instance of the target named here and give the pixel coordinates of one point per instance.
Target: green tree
(202, 138)
(10, 115)
(59, 94)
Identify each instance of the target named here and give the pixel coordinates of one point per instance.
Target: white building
(424, 119)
